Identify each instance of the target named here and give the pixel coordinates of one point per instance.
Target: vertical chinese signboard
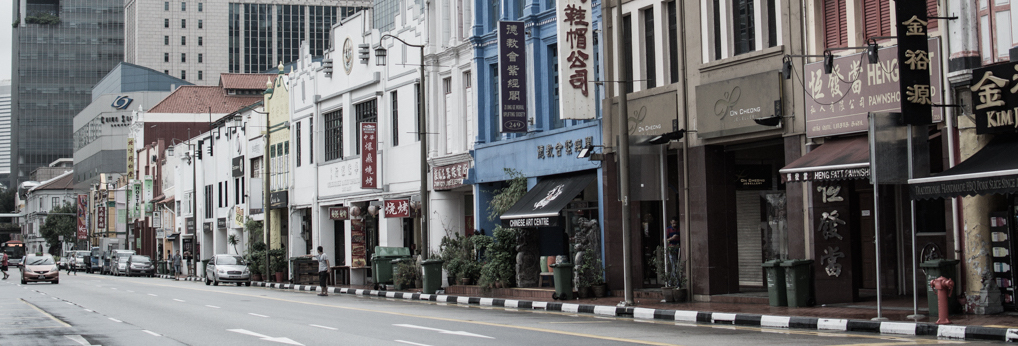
(576, 98)
(130, 159)
(833, 243)
(82, 211)
(512, 76)
(397, 208)
(358, 244)
(100, 218)
(369, 156)
(995, 98)
(913, 52)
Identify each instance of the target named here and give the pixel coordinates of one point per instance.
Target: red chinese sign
(82, 211)
(339, 213)
(369, 156)
(100, 218)
(450, 176)
(397, 208)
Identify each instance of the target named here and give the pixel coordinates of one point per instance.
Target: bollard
(943, 286)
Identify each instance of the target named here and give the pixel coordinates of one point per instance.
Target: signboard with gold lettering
(995, 98)
(914, 55)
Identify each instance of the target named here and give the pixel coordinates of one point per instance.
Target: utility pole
(623, 160)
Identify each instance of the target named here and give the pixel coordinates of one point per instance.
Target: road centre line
(115, 320)
(150, 332)
(324, 327)
(212, 306)
(152, 295)
(491, 324)
(254, 314)
(175, 299)
(410, 343)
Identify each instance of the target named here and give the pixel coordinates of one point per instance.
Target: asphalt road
(103, 310)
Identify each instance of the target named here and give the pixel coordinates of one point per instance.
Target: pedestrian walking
(3, 264)
(72, 264)
(176, 266)
(674, 250)
(323, 270)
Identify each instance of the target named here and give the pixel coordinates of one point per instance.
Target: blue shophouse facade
(549, 149)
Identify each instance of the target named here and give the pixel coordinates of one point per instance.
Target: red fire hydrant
(943, 286)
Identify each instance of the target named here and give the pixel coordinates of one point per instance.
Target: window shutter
(835, 34)
(877, 17)
(931, 11)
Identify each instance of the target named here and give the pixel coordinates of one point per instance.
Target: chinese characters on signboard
(82, 226)
(555, 150)
(833, 240)
(397, 208)
(358, 244)
(369, 159)
(914, 55)
(995, 98)
(512, 76)
(837, 103)
(130, 159)
(339, 213)
(575, 96)
(449, 177)
(100, 218)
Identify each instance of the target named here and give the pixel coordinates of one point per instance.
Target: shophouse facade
(559, 59)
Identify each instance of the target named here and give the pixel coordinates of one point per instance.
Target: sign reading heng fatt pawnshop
(995, 98)
(512, 76)
(576, 98)
(838, 103)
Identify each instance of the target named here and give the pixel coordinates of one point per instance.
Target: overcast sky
(5, 41)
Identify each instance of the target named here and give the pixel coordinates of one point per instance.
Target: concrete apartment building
(187, 39)
(5, 130)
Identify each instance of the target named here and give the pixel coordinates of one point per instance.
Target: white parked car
(227, 268)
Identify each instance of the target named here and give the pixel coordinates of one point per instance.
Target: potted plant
(407, 273)
(671, 279)
(500, 266)
(278, 263)
(595, 275)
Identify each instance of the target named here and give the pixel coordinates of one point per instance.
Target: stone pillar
(981, 293)
(527, 257)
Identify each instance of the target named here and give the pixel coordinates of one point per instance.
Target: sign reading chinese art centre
(512, 76)
(576, 100)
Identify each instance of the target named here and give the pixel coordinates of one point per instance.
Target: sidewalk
(853, 317)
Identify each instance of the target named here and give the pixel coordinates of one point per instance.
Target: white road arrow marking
(152, 295)
(254, 314)
(324, 327)
(212, 306)
(79, 339)
(115, 320)
(151, 332)
(266, 337)
(461, 333)
(410, 343)
(179, 300)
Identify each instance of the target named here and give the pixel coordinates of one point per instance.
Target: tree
(59, 225)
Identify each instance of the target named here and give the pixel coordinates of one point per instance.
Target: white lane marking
(212, 306)
(151, 332)
(89, 310)
(462, 333)
(69, 303)
(254, 314)
(130, 291)
(54, 298)
(410, 343)
(324, 327)
(152, 295)
(178, 300)
(113, 288)
(79, 339)
(280, 339)
(115, 320)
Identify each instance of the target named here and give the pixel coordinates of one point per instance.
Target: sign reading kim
(995, 98)
(728, 107)
(576, 97)
(512, 76)
(837, 103)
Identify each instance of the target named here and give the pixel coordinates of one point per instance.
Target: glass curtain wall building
(61, 49)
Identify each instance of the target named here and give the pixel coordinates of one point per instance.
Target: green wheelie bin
(563, 281)
(934, 269)
(432, 275)
(381, 263)
(776, 283)
(797, 282)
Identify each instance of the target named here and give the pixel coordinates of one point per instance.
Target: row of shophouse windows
(183, 40)
(183, 57)
(183, 6)
(183, 23)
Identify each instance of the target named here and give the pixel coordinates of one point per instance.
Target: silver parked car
(227, 268)
(140, 265)
(120, 268)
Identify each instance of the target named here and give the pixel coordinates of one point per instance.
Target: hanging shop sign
(995, 98)
(339, 213)
(206, 227)
(82, 225)
(238, 166)
(397, 208)
(914, 55)
(512, 76)
(130, 159)
(655, 112)
(728, 107)
(238, 216)
(369, 156)
(189, 225)
(833, 243)
(221, 223)
(837, 103)
(576, 101)
(449, 177)
(100, 218)
(278, 199)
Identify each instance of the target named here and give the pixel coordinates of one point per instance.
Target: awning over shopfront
(836, 159)
(172, 236)
(541, 205)
(991, 170)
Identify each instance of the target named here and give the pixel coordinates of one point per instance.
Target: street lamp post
(380, 54)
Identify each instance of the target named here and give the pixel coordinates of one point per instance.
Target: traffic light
(363, 52)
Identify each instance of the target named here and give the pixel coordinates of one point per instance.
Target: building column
(713, 254)
(981, 293)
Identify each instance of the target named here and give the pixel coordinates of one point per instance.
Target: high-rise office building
(5, 130)
(197, 40)
(61, 48)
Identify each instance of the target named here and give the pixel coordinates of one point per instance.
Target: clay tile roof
(198, 99)
(62, 182)
(245, 80)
